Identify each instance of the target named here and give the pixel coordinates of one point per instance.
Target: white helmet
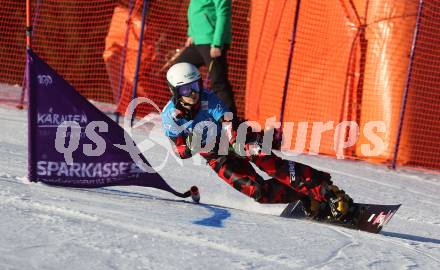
(181, 74)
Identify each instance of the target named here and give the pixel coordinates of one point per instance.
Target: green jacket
(210, 22)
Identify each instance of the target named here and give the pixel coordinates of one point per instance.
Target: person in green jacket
(209, 38)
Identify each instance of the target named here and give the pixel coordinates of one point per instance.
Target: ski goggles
(187, 89)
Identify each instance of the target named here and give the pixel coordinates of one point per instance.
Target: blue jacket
(206, 121)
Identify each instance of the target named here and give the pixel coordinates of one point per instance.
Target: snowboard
(365, 217)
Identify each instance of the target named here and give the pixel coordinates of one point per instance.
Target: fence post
(407, 84)
(138, 60)
(25, 86)
(123, 59)
(289, 63)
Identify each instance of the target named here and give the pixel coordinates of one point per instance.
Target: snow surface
(43, 227)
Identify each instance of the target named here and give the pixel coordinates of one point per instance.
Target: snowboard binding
(337, 207)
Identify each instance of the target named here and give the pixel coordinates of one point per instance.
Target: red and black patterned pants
(290, 180)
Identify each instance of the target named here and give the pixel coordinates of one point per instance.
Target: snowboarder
(191, 107)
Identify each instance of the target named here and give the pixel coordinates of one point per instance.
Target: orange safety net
(94, 44)
(70, 36)
(12, 48)
(420, 144)
(121, 51)
(350, 62)
(388, 37)
(165, 35)
(348, 77)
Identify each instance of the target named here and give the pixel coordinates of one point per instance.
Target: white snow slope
(43, 227)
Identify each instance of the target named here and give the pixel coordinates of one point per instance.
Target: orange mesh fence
(94, 44)
(70, 36)
(350, 62)
(348, 77)
(12, 46)
(420, 144)
(166, 29)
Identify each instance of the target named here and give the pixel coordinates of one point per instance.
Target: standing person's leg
(191, 55)
(218, 75)
(240, 174)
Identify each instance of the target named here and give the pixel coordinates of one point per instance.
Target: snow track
(43, 227)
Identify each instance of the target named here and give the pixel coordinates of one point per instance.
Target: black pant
(199, 55)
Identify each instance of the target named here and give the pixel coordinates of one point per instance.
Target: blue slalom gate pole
(407, 84)
(138, 60)
(289, 63)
